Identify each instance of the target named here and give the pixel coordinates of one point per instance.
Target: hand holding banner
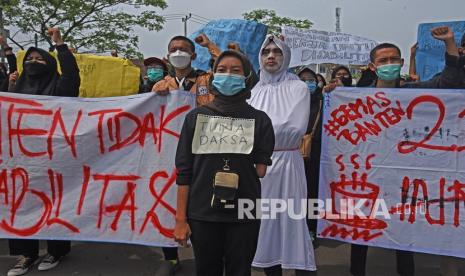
(393, 169)
(90, 169)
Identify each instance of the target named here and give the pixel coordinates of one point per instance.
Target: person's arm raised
(69, 82)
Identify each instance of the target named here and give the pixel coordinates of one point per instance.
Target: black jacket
(51, 83)
(453, 76)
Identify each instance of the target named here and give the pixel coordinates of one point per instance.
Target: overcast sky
(382, 20)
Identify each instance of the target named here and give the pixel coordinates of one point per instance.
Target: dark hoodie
(4, 76)
(237, 103)
(346, 81)
(198, 170)
(48, 81)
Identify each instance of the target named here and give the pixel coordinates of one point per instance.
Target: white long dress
(284, 241)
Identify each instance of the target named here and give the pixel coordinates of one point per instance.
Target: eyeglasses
(275, 51)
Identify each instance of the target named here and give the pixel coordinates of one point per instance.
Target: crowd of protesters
(287, 112)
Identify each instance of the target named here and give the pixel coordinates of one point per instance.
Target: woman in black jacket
(213, 178)
(40, 77)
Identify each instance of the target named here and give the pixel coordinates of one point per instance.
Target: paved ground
(99, 259)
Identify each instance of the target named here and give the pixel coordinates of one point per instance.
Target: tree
(274, 22)
(87, 26)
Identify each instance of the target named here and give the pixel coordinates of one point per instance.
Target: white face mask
(180, 59)
(321, 84)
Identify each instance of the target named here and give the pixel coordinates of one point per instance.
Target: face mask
(180, 59)
(388, 72)
(346, 81)
(228, 84)
(311, 86)
(35, 68)
(154, 74)
(321, 84)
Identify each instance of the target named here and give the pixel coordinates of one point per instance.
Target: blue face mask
(388, 72)
(154, 74)
(311, 86)
(228, 84)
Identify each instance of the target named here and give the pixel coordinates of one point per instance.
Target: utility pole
(338, 20)
(185, 19)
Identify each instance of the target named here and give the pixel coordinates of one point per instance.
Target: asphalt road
(103, 259)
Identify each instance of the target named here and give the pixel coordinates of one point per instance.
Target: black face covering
(346, 81)
(35, 69)
(38, 78)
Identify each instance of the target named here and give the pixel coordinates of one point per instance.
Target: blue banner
(248, 34)
(430, 52)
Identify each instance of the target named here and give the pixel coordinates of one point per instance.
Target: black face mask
(346, 81)
(35, 69)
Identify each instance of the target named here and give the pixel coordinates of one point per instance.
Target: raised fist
(55, 35)
(442, 33)
(202, 40)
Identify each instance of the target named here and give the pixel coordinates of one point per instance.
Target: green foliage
(93, 25)
(274, 22)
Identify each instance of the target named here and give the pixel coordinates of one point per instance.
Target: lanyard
(180, 82)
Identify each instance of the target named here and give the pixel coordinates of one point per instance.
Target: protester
(181, 53)
(386, 62)
(40, 77)
(449, 264)
(222, 240)
(343, 74)
(283, 242)
(313, 137)
(453, 75)
(321, 81)
(12, 66)
(156, 70)
(340, 76)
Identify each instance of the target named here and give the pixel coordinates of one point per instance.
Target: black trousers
(170, 253)
(358, 258)
(30, 248)
(312, 172)
(222, 246)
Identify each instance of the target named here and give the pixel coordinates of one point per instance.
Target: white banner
(393, 169)
(90, 169)
(314, 47)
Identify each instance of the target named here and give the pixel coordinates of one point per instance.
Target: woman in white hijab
(284, 242)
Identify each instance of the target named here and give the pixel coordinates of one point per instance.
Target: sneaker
(168, 268)
(49, 262)
(23, 266)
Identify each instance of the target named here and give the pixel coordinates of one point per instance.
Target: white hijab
(282, 74)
